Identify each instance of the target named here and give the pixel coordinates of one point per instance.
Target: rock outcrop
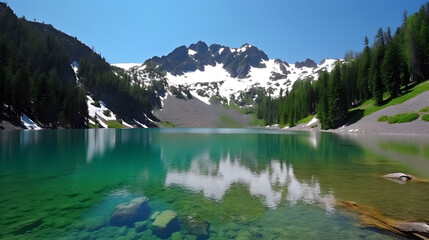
(129, 213)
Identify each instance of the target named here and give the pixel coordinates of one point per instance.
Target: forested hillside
(380, 72)
(37, 78)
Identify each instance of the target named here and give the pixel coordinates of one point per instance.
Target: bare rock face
(399, 177)
(129, 213)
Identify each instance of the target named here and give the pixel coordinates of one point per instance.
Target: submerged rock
(370, 217)
(155, 215)
(165, 224)
(127, 214)
(399, 177)
(176, 236)
(95, 223)
(195, 225)
(140, 226)
(413, 227)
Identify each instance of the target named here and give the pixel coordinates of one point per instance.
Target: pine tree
(390, 69)
(323, 106)
(376, 81)
(363, 73)
(336, 98)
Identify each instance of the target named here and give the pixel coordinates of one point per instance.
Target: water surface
(243, 183)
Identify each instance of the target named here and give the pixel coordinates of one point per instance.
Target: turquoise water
(222, 183)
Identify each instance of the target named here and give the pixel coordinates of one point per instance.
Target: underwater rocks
(413, 227)
(370, 217)
(399, 177)
(127, 214)
(155, 215)
(195, 226)
(165, 224)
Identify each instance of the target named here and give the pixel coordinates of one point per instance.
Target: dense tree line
(35, 76)
(379, 72)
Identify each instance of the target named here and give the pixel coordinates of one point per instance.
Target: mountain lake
(208, 184)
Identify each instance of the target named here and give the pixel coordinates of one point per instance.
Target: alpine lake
(208, 184)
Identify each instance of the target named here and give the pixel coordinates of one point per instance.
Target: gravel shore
(370, 124)
(195, 113)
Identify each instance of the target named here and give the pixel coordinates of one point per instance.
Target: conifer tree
(336, 98)
(376, 82)
(363, 73)
(323, 106)
(390, 69)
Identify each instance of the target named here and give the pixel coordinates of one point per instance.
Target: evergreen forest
(37, 78)
(382, 71)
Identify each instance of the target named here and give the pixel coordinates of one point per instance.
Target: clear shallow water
(245, 184)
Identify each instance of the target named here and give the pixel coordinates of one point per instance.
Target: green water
(242, 184)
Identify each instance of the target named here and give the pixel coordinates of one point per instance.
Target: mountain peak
(188, 59)
(200, 47)
(309, 63)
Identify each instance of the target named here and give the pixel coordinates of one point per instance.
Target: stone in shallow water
(165, 224)
(416, 227)
(155, 215)
(127, 214)
(140, 226)
(399, 177)
(94, 223)
(195, 225)
(176, 236)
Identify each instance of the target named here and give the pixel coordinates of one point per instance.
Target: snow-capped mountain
(226, 74)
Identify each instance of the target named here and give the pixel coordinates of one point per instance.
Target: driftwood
(370, 217)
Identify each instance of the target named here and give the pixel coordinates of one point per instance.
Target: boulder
(126, 214)
(399, 177)
(165, 224)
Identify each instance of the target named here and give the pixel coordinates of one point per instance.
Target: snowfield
(229, 87)
(126, 66)
(215, 82)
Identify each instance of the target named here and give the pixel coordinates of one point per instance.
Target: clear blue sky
(135, 30)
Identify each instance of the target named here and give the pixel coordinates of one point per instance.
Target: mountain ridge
(218, 73)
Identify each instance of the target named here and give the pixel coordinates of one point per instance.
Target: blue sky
(135, 30)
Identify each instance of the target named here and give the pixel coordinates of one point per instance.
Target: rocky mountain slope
(222, 74)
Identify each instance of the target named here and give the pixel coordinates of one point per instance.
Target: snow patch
(140, 124)
(126, 66)
(127, 124)
(28, 123)
(206, 100)
(191, 52)
(99, 111)
(312, 121)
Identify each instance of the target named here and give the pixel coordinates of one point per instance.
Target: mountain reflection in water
(272, 183)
